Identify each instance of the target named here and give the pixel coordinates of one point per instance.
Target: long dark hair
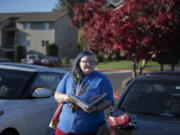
(76, 70)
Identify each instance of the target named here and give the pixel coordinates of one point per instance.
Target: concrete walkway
(166, 67)
(108, 71)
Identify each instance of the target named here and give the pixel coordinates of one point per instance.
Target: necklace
(81, 87)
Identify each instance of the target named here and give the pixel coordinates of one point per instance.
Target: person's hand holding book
(90, 110)
(94, 105)
(61, 98)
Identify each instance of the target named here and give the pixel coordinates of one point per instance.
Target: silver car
(51, 61)
(26, 98)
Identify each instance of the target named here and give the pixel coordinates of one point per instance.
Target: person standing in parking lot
(85, 83)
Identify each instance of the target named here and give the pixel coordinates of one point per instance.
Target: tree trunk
(172, 67)
(134, 74)
(162, 67)
(144, 62)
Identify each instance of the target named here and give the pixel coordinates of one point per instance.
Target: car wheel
(9, 132)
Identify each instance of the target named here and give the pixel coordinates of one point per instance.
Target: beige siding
(66, 38)
(61, 33)
(32, 38)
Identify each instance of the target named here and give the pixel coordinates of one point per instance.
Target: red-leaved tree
(138, 29)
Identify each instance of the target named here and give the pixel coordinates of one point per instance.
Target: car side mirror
(42, 93)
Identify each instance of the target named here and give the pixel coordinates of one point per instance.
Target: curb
(103, 69)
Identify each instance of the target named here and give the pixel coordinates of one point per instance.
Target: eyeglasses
(87, 61)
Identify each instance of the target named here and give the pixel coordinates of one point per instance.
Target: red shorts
(60, 132)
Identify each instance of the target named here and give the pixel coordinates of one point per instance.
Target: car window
(152, 96)
(47, 80)
(31, 57)
(12, 82)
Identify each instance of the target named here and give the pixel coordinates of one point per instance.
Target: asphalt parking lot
(116, 77)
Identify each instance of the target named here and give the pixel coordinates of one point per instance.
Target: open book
(93, 102)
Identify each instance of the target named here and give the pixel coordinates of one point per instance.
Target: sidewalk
(177, 68)
(68, 68)
(123, 70)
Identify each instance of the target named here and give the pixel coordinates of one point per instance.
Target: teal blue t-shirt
(91, 86)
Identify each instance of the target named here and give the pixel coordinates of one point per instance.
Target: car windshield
(11, 83)
(153, 97)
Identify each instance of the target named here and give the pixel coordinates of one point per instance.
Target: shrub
(51, 50)
(19, 53)
(64, 60)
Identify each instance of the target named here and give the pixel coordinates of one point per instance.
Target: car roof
(161, 75)
(28, 67)
(172, 73)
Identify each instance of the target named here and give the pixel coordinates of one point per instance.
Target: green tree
(19, 53)
(67, 5)
(82, 44)
(51, 49)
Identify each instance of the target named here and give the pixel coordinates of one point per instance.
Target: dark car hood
(155, 125)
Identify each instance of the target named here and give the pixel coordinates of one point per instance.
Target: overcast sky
(27, 5)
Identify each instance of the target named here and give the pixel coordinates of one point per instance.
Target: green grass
(125, 64)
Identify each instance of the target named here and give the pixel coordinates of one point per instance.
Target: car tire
(9, 132)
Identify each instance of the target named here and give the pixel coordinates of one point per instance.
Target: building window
(27, 26)
(44, 43)
(46, 26)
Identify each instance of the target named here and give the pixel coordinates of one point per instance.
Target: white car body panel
(39, 115)
(29, 115)
(15, 115)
